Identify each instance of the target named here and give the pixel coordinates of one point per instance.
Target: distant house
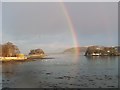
(101, 51)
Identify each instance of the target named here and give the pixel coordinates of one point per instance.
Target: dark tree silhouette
(36, 52)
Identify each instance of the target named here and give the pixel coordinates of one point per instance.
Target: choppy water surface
(63, 71)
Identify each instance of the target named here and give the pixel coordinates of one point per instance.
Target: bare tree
(9, 50)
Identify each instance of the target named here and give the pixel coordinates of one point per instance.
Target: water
(64, 71)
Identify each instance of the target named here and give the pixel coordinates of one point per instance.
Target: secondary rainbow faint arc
(71, 27)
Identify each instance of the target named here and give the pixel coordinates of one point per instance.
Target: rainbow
(71, 27)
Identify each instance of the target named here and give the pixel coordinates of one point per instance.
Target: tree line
(10, 50)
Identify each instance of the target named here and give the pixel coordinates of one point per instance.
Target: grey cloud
(94, 18)
(33, 19)
(45, 24)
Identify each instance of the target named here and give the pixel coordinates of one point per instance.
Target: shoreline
(25, 60)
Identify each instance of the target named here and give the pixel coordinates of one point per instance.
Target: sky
(0, 22)
(45, 25)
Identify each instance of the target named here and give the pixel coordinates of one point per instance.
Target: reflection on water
(9, 69)
(0, 75)
(102, 58)
(63, 71)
